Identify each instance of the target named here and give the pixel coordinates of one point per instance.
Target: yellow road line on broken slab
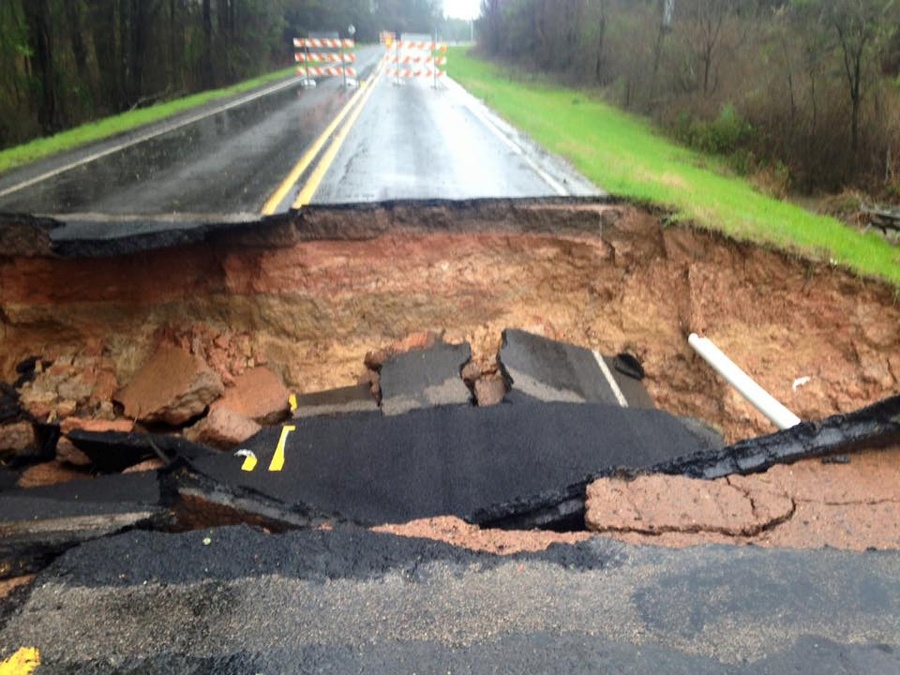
(271, 206)
(278, 459)
(23, 662)
(306, 194)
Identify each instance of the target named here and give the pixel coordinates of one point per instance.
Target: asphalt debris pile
(569, 440)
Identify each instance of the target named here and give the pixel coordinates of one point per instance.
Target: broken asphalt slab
(448, 460)
(874, 426)
(343, 401)
(236, 600)
(425, 378)
(112, 451)
(37, 524)
(555, 371)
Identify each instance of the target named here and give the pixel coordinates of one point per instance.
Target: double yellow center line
(355, 106)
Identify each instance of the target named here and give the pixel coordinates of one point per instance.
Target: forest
(804, 95)
(66, 62)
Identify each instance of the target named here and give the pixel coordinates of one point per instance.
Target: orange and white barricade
(417, 59)
(311, 61)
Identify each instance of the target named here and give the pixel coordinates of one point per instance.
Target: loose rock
(223, 429)
(172, 387)
(489, 392)
(259, 395)
(16, 437)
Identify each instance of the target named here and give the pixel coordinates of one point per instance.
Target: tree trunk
(38, 18)
(207, 74)
(79, 49)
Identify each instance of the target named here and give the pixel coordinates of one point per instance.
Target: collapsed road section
(485, 360)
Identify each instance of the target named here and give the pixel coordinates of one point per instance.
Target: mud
(310, 298)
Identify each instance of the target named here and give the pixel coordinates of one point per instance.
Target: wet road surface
(418, 141)
(402, 140)
(224, 164)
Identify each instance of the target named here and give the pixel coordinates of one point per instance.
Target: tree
(38, 18)
(861, 28)
(703, 22)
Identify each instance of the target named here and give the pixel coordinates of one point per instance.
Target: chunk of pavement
(343, 401)
(114, 451)
(659, 504)
(449, 460)
(223, 429)
(38, 524)
(555, 371)
(873, 426)
(257, 394)
(173, 387)
(425, 379)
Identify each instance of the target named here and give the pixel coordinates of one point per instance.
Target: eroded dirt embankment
(309, 298)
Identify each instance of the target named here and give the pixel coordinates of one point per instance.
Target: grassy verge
(111, 126)
(625, 156)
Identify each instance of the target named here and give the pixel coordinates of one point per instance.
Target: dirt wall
(347, 281)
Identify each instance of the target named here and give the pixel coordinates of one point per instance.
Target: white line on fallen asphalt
(146, 137)
(620, 397)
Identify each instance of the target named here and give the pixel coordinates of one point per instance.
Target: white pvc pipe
(746, 387)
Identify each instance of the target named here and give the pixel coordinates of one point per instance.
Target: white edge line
(146, 137)
(511, 144)
(620, 397)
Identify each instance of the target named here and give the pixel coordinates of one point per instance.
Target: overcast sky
(463, 9)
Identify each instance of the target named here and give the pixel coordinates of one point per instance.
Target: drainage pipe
(746, 387)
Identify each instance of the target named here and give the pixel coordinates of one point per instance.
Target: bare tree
(859, 25)
(703, 22)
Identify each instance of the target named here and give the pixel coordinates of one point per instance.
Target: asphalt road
(236, 600)
(410, 141)
(415, 140)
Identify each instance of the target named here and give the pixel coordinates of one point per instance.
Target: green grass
(627, 157)
(111, 126)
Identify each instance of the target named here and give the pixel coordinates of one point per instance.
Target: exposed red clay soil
(809, 504)
(501, 542)
(311, 300)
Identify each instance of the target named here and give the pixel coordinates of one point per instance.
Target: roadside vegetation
(64, 63)
(117, 124)
(799, 95)
(630, 158)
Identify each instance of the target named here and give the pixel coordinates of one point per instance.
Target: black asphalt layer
(451, 460)
(425, 378)
(111, 451)
(871, 427)
(555, 371)
(227, 163)
(236, 600)
(38, 524)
